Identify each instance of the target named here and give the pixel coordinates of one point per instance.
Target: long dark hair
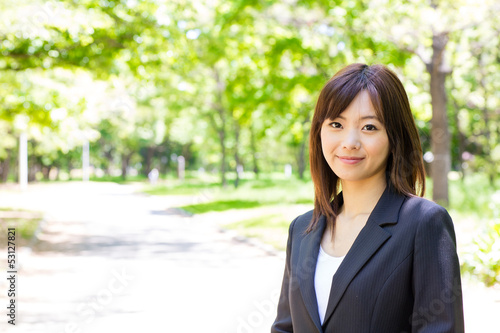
(405, 166)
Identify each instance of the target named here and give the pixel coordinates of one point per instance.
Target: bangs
(376, 102)
(339, 97)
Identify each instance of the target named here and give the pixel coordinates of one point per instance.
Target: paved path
(110, 260)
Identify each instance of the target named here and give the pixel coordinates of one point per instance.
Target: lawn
(252, 193)
(270, 229)
(24, 222)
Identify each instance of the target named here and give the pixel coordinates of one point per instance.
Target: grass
(257, 193)
(25, 223)
(116, 179)
(219, 206)
(175, 187)
(251, 193)
(270, 229)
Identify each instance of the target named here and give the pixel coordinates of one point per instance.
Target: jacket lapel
(369, 240)
(308, 257)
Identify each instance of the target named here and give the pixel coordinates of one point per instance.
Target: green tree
(426, 33)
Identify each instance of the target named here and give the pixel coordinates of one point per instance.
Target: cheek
(327, 143)
(324, 142)
(381, 148)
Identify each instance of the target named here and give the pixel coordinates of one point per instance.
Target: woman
(373, 256)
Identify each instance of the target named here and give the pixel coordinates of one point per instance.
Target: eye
(370, 127)
(335, 124)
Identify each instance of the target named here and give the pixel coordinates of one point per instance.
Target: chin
(357, 177)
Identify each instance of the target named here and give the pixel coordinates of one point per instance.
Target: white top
(326, 267)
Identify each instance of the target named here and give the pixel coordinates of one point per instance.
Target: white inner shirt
(325, 269)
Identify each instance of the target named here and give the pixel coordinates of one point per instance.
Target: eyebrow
(364, 117)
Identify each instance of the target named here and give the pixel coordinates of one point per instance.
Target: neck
(360, 197)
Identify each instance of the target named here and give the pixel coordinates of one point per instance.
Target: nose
(351, 140)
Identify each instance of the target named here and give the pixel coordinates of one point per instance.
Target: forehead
(361, 107)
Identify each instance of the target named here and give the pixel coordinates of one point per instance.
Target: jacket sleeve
(436, 276)
(283, 321)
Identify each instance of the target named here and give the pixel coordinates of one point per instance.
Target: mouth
(350, 159)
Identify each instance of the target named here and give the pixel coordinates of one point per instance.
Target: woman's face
(355, 144)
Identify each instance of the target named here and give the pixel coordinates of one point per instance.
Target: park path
(111, 260)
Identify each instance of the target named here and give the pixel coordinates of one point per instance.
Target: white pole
(85, 161)
(288, 170)
(23, 161)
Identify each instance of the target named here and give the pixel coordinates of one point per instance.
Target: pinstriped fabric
(400, 275)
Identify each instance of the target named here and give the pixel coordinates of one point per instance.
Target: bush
(482, 258)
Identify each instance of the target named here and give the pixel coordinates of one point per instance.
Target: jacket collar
(369, 240)
(308, 257)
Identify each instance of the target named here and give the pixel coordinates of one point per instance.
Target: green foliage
(482, 258)
(474, 195)
(226, 83)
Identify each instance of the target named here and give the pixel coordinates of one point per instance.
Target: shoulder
(300, 223)
(429, 217)
(422, 208)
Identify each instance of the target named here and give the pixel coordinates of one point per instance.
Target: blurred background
(154, 131)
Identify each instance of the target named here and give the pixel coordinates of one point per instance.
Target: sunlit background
(153, 153)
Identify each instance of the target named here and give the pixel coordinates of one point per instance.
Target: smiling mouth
(350, 159)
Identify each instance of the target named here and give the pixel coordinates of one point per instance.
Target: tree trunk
(461, 138)
(46, 171)
(70, 167)
(222, 140)
(149, 158)
(221, 130)
(254, 152)
(34, 165)
(5, 167)
(125, 162)
(32, 170)
(236, 153)
(109, 158)
(301, 158)
(440, 136)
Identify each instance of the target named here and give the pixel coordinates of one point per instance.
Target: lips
(350, 159)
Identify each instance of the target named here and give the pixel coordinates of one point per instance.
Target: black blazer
(400, 275)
